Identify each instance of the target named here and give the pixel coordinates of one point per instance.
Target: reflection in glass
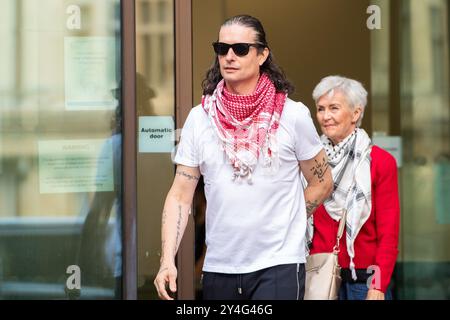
(425, 112)
(100, 252)
(60, 208)
(424, 125)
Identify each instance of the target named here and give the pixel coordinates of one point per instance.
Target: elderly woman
(365, 187)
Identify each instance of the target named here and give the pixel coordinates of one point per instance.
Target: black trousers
(283, 282)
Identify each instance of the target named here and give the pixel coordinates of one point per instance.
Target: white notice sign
(90, 73)
(76, 166)
(391, 144)
(156, 134)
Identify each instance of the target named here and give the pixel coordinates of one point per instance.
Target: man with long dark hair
(248, 140)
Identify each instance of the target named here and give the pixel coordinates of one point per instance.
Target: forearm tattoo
(163, 252)
(178, 228)
(320, 169)
(186, 175)
(164, 217)
(311, 206)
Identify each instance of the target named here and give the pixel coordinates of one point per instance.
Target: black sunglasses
(240, 49)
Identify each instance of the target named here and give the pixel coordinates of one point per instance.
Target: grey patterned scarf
(350, 166)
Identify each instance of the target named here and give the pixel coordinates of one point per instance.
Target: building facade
(93, 94)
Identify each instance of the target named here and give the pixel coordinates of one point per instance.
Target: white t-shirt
(252, 227)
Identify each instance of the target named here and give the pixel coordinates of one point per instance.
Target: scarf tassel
(241, 172)
(352, 269)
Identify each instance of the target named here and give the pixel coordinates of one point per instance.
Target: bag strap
(340, 231)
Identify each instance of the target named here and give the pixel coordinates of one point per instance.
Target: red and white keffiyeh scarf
(246, 124)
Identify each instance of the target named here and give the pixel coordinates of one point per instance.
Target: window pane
(425, 179)
(60, 149)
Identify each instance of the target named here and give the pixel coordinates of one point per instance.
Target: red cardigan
(377, 241)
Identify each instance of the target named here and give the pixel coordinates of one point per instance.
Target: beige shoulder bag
(323, 273)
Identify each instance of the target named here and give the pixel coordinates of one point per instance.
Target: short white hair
(353, 90)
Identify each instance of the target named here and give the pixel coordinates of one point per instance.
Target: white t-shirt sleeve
(307, 141)
(187, 149)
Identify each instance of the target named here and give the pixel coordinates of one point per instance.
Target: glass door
(155, 118)
(425, 129)
(60, 149)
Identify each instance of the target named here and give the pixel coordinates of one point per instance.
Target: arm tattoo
(320, 168)
(311, 206)
(164, 252)
(163, 244)
(186, 175)
(178, 228)
(164, 218)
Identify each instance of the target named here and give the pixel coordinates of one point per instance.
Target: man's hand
(166, 280)
(374, 294)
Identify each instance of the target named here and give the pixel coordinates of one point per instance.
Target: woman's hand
(374, 294)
